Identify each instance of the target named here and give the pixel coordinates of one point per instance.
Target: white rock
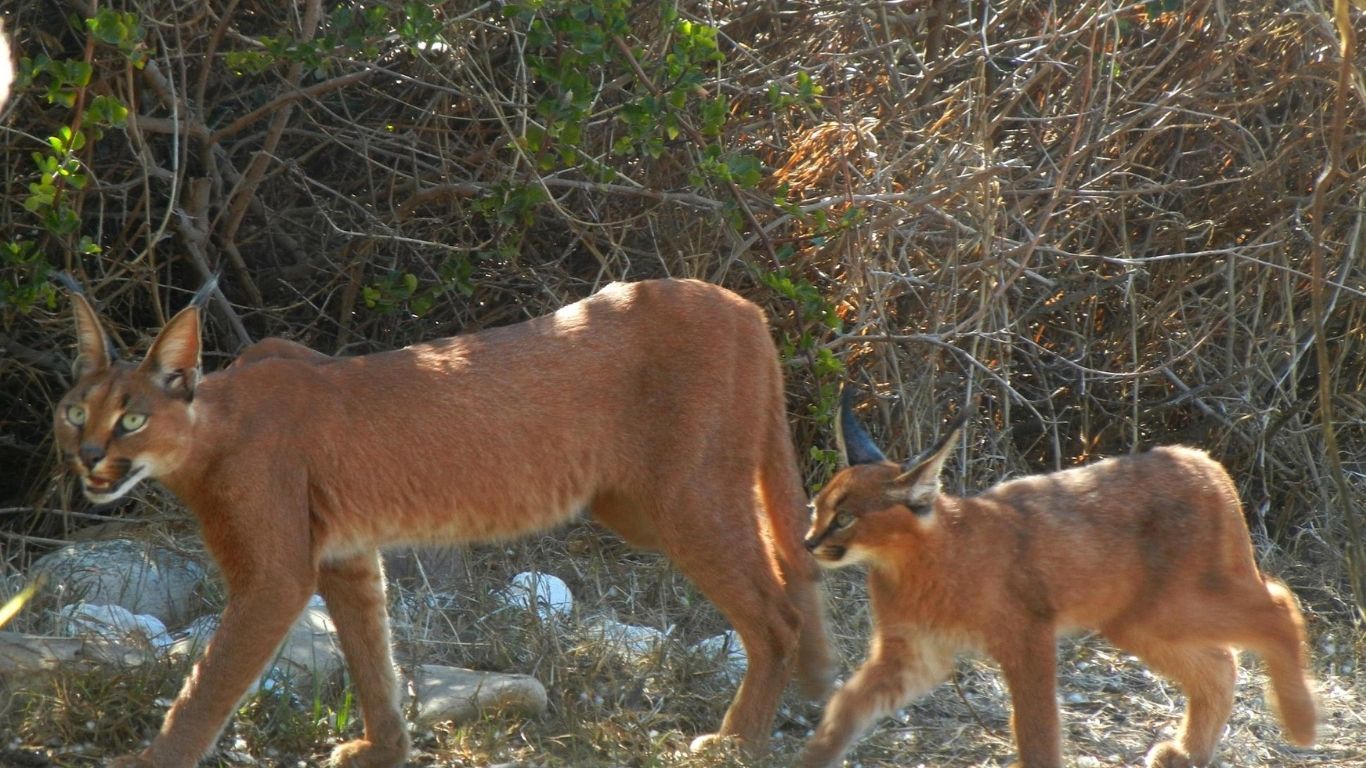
(310, 653)
(630, 642)
(461, 695)
(113, 622)
(549, 594)
(140, 577)
(728, 650)
(191, 640)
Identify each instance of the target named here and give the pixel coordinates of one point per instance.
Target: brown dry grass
(1101, 220)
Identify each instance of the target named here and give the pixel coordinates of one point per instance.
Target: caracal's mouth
(103, 490)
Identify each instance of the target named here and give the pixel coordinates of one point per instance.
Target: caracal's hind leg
(899, 669)
(731, 565)
(354, 591)
(1207, 674)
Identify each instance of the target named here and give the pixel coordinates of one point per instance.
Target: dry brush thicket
(1095, 219)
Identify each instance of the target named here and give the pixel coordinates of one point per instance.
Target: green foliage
(61, 175)
(816, 318)
(419, 27)
(63, 79)
(807, 94)
(400, 290)
(121, 30)
(573, 48)
(351, 31)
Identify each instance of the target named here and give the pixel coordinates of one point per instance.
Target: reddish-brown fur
(656, 405)
(1150, 550)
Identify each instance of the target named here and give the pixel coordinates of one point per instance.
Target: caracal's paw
(1169, 754)
(367, 754)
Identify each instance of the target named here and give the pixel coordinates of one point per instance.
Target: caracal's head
(872, 502)
(122, 423)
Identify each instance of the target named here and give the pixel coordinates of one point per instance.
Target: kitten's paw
(708, 742)
(366, 754)
(1168, 754)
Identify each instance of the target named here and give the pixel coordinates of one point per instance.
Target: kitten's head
(872, 498)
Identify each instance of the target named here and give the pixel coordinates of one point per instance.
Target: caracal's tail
(780, 488)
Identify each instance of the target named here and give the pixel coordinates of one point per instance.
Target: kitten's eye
(132, 422)
(844, 520)
(76, 415)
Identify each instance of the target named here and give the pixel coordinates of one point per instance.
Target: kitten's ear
(853, 443)
(94, 352)
(918, 486)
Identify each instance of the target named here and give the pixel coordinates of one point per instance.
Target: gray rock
(461, 695)
(137, 576)
(310, 654)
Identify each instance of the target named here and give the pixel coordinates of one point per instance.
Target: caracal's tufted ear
(918, 485)
(94, 353)
(854, 444)
(174, 359)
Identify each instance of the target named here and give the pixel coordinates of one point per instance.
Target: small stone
(549, 594)
(461, 695)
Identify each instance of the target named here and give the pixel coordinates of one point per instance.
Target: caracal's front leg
(899, 668)
(1028, 661)
(354, 591)
(260, 611)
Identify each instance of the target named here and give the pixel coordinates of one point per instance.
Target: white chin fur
(119, 491)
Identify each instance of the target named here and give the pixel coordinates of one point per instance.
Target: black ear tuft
(205, 292)
(855, 445)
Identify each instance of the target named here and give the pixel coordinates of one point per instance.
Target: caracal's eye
(132, 422)
(844, 520)
(75, 414)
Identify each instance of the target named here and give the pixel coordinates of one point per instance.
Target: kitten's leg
(1262, 616)
(354, 591)
(1029, 664)
(1207, 674)
(899, 669)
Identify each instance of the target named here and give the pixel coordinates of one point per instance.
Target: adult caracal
(1151, 550)
(658, 406)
